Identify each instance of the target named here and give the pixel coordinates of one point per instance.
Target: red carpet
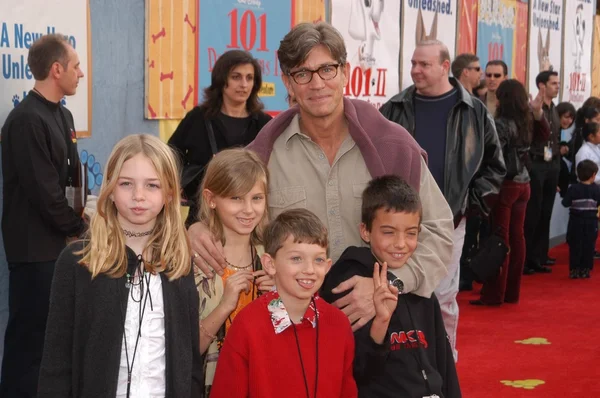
(547, 346)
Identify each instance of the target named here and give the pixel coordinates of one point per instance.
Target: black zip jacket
(416, 340)
(474, 164)
(36, 218)
(84, 333)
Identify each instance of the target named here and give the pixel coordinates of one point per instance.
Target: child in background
(404, 351)
(234, 207)
(123, 305)
(289, 342)
(583, 198)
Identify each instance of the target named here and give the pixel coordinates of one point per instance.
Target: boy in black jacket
(583, 198)
(404, 351)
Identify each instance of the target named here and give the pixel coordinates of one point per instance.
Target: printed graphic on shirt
(407, 340)
(280, 317)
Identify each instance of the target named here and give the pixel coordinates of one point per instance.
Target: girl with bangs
(234, 207)
(123, 318)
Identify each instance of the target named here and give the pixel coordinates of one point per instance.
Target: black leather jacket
(474, 163)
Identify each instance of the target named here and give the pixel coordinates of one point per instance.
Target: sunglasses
(496, 75)
(476, 68)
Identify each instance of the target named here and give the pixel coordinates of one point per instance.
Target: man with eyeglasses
(467, 70)
(322, 152)
(496, 72)
(463, 149)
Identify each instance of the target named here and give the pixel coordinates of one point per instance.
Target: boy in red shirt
(289, 342)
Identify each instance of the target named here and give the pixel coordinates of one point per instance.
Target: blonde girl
(123, 318)
(234, 207)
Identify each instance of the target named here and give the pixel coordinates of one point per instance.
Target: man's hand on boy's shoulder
(358, 303)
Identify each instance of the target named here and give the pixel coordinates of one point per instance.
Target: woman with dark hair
(518, 124)
(231, 112)
(566, 113)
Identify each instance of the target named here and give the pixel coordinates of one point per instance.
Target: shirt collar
(280, 317)
(292, 129)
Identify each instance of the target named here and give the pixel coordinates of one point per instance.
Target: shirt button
(321, 156)
(330, 183)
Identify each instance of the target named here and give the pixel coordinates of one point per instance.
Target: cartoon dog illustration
(543, 51)
(579, 29)
(421, 33)
(365, 16)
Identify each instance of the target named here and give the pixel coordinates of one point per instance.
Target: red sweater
(257, 362)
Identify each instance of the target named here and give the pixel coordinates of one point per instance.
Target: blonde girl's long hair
(167, 250)
(233, 172)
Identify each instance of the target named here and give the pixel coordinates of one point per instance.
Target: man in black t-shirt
(40, 168)
(463, 150)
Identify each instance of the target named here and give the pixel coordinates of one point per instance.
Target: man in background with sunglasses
(467, 70)
(463, 150)
(496, 72)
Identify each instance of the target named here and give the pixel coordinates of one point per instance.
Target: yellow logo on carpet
(528, 384)
(534, 341)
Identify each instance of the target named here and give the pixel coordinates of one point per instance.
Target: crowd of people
(324, 248)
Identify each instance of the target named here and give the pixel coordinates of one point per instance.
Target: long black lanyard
(312, 301)
(142, 309)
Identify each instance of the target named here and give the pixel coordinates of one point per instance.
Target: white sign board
(577, 56)
(426, 20)
(21, 24)
(371, 31)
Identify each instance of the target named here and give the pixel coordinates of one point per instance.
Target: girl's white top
(591, 152)
(148, 373)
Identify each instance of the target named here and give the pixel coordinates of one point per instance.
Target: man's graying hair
(297, 44)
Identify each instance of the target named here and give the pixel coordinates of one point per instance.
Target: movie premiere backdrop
(184, 38)
(545, 38)
(371, 31)
(21, 24)
(577, 51)
(502, 34)
(423, 20)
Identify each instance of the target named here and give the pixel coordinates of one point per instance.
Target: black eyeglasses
(496, 75)
(477, 68)
(304, 76)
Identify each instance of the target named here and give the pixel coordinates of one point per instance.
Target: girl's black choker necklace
(131, 234)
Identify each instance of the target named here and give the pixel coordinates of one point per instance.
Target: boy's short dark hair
(388, 192)
(563, 143)
(586, 169)
(588, 129)
(302, 224)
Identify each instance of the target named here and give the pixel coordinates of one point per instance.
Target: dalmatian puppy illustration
(365, 16)
(579, 29)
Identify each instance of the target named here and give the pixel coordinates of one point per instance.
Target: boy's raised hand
(385, 296)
